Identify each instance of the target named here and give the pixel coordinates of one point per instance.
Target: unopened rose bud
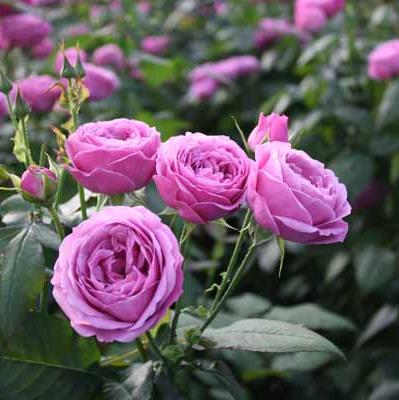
(67, 70)
(38, 185)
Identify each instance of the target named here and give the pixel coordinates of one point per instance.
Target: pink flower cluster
(207, 78)
(312, 15)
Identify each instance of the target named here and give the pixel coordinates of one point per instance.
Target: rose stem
(56, 222)
(183, 236)
(232, 262)
(82, 201)
(234, 283)
(141, 349)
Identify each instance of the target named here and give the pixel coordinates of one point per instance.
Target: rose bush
(118, 273)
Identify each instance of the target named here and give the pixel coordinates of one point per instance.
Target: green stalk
(233, 261)
(57, 222)
(233, 285)
(141, 349)
(154, 346)
(82, 201)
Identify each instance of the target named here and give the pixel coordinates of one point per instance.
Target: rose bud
(72, 56)
(24, 30)
(109, 55)
(203, 177)
(38, 185)
(100, 82)
(156, 45)
(113, 157)
(384, 61)
(117, 274)
(38, 92)
(296, 197)
(273, 127)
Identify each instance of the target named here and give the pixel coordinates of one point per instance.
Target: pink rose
(5, 9)
(101, 82)
(295, 197)
(384, 61)
(43, 49)
(109, 55)
(24, 30)
(156, 45)
(203, 89)
(118, 273)
(312, 15)
(38, 91)
(274, 127)
(144, 7)
(113, 157)
(38, 184)
(203, 177)
(72, 55)
(271, 30)
(3, 106)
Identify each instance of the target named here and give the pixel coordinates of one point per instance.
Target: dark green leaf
(388, 111)
(46, 236)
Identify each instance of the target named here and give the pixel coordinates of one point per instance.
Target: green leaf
(21, 280)
(301, 361)
(45, 360)
(319, 46)
(157, 73)
(388, 111)
(15, 210)
(8, 233)
(248, 305)
(46, 235)
(138, 384)
(20, 150)
(374, 268)
(269, 336)
(388, 390)
(312, 316)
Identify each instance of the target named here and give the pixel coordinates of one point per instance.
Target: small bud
(21, 107)
(5, 83)
(38, 185)
(79, 68)
(67, 70)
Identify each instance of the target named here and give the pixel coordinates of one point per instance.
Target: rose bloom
(203, 177)
(296, 197)
(43, 49)
(312, 15)
(38, 91)
(271, 30)
(100, 82)
(72, 55)
(24, 30)
(3, 106)
(203, 89)
(109, 55)
(113, 157)
(156, 45)
(273, 127)
(384, 61)
(117, 274)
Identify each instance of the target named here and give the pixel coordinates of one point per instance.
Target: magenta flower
(109, 55)
(273, 127)
(43, 49)
(312, 15)
(24, 30)
(38, 91)
(100, 82)
(203, 177)
(384, 61)
(156, 45)
(296, 197)
(118, 273)
(113, 157)
(38, 184)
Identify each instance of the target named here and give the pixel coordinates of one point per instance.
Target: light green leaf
(269, 336)
(388, 111)
(301, 361)
(248, 305)
(46, 236)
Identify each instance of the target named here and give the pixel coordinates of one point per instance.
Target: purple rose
(295, 197)
(3, 106)
(271, 30)
(113, 157)
(203, 89)
(43, 49)
(38, 92)
(312, 15)
(100, 82)
(118, 273)
(109, 55)
(24, 30)
(203, 177)
(72, 55)
(38, 184)
(156, 45)
(384, 61)
(274, 127)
